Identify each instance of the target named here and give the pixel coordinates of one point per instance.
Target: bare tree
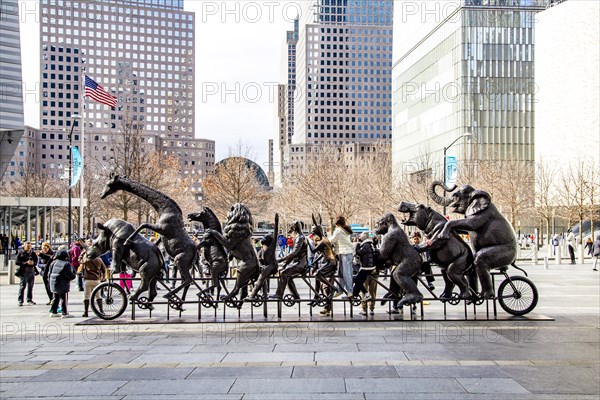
(545, 196)
(578, 191)
(234, 180)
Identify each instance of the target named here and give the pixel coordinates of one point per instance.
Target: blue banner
(77, 166)
(451, 170)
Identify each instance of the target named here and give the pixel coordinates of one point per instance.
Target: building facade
(11, 89)
(567, 118)
(342, 65)
(469, 71)
(141, 52)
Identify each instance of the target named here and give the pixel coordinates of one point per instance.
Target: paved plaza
(43, 357)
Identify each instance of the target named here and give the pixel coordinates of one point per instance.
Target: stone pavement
(46, 358)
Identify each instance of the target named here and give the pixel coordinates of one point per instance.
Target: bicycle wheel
(517, 295)
(108, 300)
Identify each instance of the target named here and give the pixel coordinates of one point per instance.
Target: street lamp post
(70, 215)
(445, 150)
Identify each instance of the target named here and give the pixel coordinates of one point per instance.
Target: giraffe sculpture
(178, 244)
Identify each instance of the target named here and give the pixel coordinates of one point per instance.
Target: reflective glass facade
(472, 74)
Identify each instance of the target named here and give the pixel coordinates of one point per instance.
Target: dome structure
(261, 177)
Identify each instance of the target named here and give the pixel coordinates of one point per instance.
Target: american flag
(97, 92)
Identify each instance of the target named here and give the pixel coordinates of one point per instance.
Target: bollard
(12, 279)
(546, 263)
(535, 248)
(558, 255)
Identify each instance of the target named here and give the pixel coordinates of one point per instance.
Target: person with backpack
(61, 275)
(340, 239)
(282, 243)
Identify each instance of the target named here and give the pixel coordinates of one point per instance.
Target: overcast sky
(238, 57)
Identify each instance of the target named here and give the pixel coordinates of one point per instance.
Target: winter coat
(364, 251)
(46, 260)
(23, 257)
(93, 269)
(571, 240)
(341, 241)
(596, 251)
(61, 273)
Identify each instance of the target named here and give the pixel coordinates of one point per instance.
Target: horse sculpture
(213, 251)
(141, 255)
(178, 244)
(238, 241)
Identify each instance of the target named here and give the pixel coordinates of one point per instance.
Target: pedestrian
(281, 242)
(340, 239)
(45, 257)
(572, 244)
(426, 265)
(95, 272)
(589, 245)
(290, 244)
(555, 244)
(74, 254)
(61, 275)
(364, 253)
(596, 252)
(26, 261)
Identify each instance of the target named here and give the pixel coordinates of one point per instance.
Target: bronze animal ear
(314, 220)
(479, 201)
(101, 227)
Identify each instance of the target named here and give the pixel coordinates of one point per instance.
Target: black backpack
(378, 260)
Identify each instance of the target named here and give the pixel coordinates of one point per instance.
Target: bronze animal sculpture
(294, 263)
(325, 264)
(397, 250)
(170, 225)
(237, 239)
(453, 256)
(140, 254)
(267, 260)
(491, 234)
(214, 253)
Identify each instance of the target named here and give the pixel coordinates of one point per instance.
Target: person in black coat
(61, 275)
(45, 257)
(26, 261)
(364, 252)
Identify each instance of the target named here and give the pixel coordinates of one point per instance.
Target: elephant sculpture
(397, 250)
(454, 256)
(492, 236)
(140, 254)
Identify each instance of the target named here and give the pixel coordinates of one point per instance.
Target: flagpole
(82, 154)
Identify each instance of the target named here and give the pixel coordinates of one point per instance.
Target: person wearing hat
(61, 275)
(364, 252)
(344, 249)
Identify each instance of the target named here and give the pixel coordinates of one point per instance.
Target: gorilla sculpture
(238, 241)
(140, 254)
(397, 250)
(453, 256)
(491, 234)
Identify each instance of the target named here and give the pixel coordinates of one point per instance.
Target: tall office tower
(281, 128)
(11, 92)
(270, 170)
(343, 62)
(140, 51)
(464, 70)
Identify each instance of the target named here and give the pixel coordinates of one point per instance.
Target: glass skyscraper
(11, 92)
(343, 61)
(470, 72)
